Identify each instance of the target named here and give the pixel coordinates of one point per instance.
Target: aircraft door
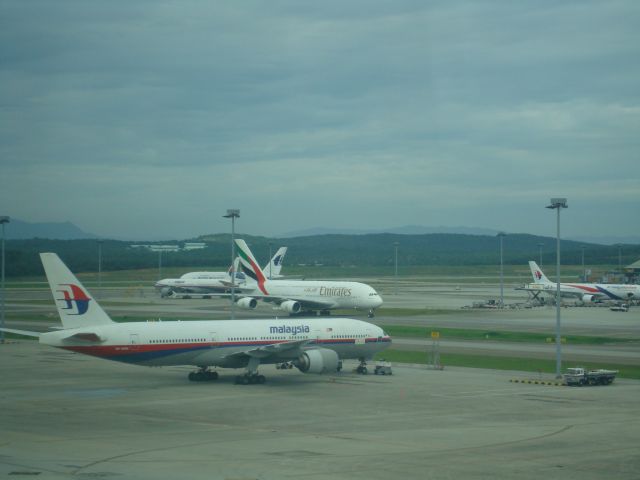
(134, 341)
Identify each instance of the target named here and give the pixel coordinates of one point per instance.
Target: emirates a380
(297, 296)
(315, 345)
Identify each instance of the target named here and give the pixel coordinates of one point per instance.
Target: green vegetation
(468, 334)
(328, 256)
(498, 363)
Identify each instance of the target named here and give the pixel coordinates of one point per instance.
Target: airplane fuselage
(214, 342)
(334, 293)
(591, 290)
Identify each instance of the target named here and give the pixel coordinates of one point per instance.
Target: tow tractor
(383, 368)
(579, 376)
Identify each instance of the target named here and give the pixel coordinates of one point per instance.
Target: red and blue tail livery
(75, 299)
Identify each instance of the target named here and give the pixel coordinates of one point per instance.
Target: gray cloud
(366, 114)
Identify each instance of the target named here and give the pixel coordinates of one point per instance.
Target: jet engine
(166, 292)
(290, 306)
(247, 302)
(589, 298)
(319, 360)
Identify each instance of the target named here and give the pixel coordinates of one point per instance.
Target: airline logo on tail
(538, 275)
(277, 261)
(74, 299)
(250, 266)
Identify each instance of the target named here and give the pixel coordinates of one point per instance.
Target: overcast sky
(149, 119)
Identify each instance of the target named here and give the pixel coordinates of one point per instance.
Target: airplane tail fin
(249, 265)
(275, 264)
(75, 307)
(538, 276)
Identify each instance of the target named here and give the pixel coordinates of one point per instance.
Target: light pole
(620, 257)
(159, 263)
(584, 271)
(558, 204)
(270, 260)
(100, 265)
(3, 219)
(540, 245)
(501, 235)
(395, 246)
(233, 214)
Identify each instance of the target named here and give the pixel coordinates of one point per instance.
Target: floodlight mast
(501, 235)
(233, 213)
(558, 204)
(3, 219)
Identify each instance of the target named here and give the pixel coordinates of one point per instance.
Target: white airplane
(587, 292)
(206, 283)
(312, 345)
(274, 266)
(295, 296)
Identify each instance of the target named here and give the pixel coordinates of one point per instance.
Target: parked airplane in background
(206, 283)
(295, 296)
(312, 345)
(587, 292)
(274, 267)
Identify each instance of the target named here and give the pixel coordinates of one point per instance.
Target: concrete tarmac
(64, 415)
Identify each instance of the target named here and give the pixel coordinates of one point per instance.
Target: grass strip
(410, 331)
(499, 363)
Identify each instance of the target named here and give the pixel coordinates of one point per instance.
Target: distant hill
(17, 229)
(405, 230)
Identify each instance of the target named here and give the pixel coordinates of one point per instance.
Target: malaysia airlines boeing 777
(587, 292)
(312, 345)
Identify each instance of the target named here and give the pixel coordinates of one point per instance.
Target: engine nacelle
(319, 360)
(166, 292)
(290, 306)
(589, 298)
(247, 302)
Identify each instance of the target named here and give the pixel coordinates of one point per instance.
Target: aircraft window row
(240, 339)
(348, 336)
(184, 340)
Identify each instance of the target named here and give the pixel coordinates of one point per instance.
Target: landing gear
(203, 375)
(284, 366)
(251, 377)
(370, 314)
(362, 368)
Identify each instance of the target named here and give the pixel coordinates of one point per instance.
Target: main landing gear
(362, 368)
(370, 314)
(203, 375)
(251, 377)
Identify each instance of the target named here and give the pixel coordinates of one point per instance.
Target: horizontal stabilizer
(21, 332)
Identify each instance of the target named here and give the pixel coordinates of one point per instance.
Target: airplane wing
(26, 333)
(304, 303)
(286, 349)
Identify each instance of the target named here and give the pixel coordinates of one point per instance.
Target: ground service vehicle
(578, 376)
